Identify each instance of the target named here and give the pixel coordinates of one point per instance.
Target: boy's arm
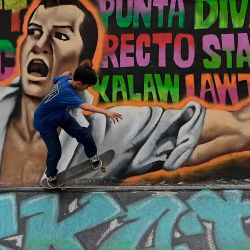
(113, 115)
(66, 73)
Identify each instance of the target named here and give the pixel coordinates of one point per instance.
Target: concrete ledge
(174, 217)
(132, 188)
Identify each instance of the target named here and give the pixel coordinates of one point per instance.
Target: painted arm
(149, 139)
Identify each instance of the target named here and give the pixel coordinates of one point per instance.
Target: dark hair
(85, 73)
(88, 28)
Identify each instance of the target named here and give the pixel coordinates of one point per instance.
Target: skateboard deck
(71, 174)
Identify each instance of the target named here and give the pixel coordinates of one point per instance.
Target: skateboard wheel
(103, 170)
(63, 188)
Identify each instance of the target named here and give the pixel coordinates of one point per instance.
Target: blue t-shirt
(52, 111)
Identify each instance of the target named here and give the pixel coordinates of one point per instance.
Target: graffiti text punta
(138, 13)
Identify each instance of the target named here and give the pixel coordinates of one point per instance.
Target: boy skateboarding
(52, 113)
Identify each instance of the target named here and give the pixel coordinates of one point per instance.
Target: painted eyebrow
(34, 24)
(63, 27)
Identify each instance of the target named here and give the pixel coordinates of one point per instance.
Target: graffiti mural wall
(138, 220)
(176, 70)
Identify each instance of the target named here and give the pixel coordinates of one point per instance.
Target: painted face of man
(53, 45)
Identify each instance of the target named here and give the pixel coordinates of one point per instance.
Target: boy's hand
(66, 73)
(114, 116)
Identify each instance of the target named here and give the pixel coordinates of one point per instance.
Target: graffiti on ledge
(159, 220)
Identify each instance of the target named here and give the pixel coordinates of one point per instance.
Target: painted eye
(35, 32)
(61, 36)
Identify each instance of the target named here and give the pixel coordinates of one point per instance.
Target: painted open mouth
(37, 67)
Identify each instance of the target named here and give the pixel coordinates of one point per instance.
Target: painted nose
(42, 45)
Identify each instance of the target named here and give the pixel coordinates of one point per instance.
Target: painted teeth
(36, 74)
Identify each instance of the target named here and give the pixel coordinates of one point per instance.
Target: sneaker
(52, 181)
(95, 162)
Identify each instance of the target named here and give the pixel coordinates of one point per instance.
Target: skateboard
(84, 168)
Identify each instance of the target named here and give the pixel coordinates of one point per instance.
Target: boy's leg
(54, 152)
(82, 135)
